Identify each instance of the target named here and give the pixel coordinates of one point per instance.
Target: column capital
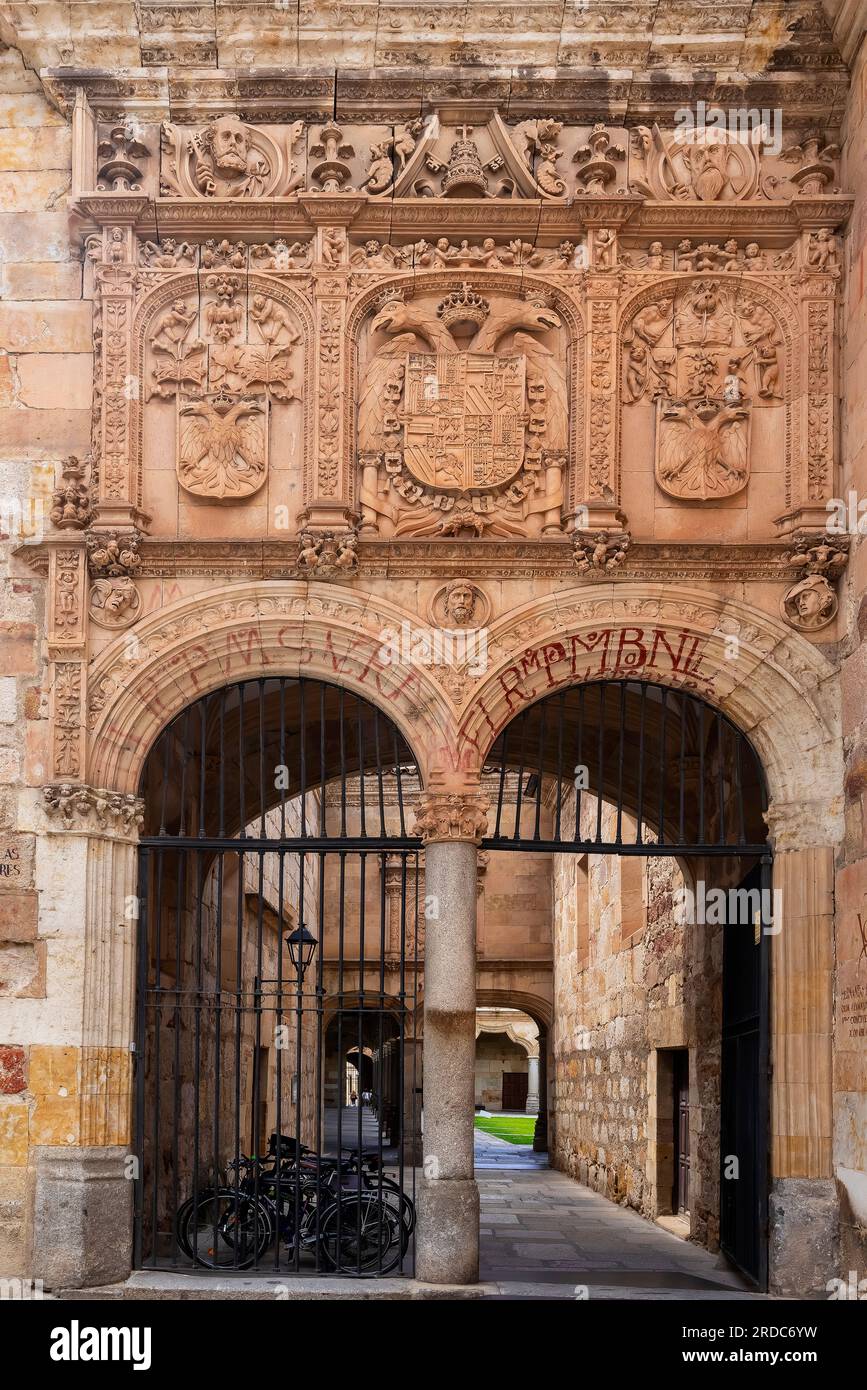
(800, 824)
(447, 816)
(76, 807)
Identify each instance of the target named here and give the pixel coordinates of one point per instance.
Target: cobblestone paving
(544, 1235)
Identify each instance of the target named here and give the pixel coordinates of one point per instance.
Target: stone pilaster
(803, 1208)
(81, 1174)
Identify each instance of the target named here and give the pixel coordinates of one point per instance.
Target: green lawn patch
(515, 1129)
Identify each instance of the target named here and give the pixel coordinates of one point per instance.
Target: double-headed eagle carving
(222, 446)
(703, 450)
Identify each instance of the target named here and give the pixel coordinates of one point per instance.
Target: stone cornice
(295, 216)
(416, 559)
(630, 92)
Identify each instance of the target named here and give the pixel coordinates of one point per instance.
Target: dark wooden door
(744, 1090)
(515, 1085)
(680, 1196)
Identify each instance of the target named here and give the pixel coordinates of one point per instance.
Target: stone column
(532, 1106)
(81, 1174)
(804, 1211)
(540, 1135)
(447, 1250)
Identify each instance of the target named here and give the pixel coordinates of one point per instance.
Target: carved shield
(222, 445)
(702, 447)
(465, 417)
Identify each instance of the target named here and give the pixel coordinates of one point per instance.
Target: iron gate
(276, 1087)
(692, 787)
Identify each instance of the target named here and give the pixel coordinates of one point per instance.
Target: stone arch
(531, 1048)
(783, 315)
(535, 1006)
(190, 283)
(775, 686)
(509, 282)
(245, 630)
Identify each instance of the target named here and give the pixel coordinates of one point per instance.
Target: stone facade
(282, 360)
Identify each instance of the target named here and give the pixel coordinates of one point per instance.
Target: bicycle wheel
(361, 1237)
(394, 1195)
(227, 1229)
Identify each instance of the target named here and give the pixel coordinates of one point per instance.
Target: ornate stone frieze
(81, 808)
(466, 255)
(451, 816)
(416, 559)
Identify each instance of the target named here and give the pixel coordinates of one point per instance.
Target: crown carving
(463, 306)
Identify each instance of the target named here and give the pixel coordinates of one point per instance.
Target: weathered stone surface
(13, 1062)
(48, 378)
(83, 1209)
(45, 326)
(448, 1226)
(18, 915)
(41, 280)
(804, 1217)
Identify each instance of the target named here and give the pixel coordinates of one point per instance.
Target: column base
(83, 1217)
(447, 1240)
(804, 1227)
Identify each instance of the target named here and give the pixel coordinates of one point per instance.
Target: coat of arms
(463, 416)
(222, 445)
(708, 359)
(224, 385)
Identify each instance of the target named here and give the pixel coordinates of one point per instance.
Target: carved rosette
(445, 816)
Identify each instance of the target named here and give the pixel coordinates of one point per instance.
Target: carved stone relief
(462, 413)
(228, 158)
(707, 355)
(224, 356)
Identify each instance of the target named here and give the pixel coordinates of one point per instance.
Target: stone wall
(45, 386)
(850, 1018)
(631, 984)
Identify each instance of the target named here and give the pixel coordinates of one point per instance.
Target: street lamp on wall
(302, 948)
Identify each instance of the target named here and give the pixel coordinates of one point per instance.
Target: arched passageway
(279, 941)
(650, 804)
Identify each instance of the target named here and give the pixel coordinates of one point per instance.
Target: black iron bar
(639, 817)
(561, 704)
(621, 750)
